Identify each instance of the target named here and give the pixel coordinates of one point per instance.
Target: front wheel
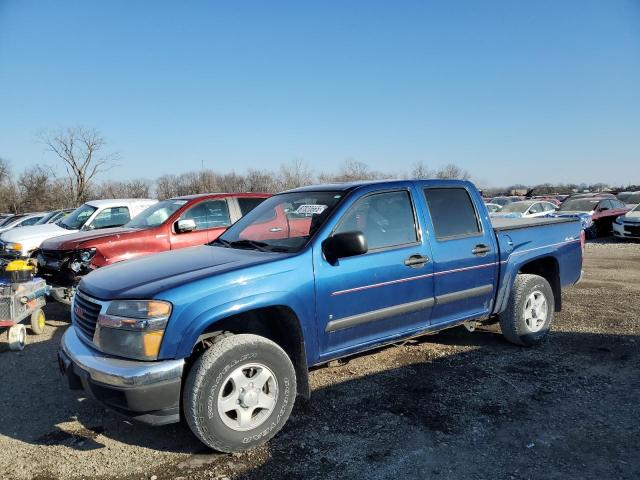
(528, 316)
(239, 393)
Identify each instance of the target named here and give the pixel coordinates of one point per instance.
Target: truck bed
(503, 224)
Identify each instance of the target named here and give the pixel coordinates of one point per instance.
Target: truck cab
(223, 335)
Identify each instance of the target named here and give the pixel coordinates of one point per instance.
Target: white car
(23, 220)
(628, 225)
(525, 209)
(493, 207)
(96, 214)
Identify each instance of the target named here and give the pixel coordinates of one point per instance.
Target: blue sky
(513, 91)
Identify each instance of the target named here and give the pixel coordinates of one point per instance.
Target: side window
(386, 219)
(111, 217)
(247, 204)
(618, 204)
(209, 214)
(605, 204)
(548, 207)
(452, 212)
(536, 208)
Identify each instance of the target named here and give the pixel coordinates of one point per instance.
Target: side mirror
(342, 245)
(184, 226)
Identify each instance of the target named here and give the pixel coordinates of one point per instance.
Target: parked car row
(600, 213)
(10, 221)
(102, 232)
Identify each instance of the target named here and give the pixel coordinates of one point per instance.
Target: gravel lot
(452, 405)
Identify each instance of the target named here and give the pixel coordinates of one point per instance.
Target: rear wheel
(239, 393)
(528, 316)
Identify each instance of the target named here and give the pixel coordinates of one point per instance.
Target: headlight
(618, 220)
(133, 328)
(13, 247)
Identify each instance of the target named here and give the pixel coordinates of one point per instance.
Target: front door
(211, 218)
(384, 293)
(464, 255)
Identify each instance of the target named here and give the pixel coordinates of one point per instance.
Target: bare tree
(8, 194)
(295, 174)
(452, 171)
(81, 150)
(421, 172)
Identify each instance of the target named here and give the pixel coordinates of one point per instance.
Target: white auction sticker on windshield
(179, 202)
(310, 209)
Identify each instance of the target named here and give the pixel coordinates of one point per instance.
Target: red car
(167, 225)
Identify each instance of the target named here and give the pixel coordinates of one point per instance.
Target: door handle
(480, 249)
(416, 261)
(275, 229)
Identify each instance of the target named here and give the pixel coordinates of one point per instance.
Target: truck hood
(147, 276)
(75, 240)
(34, 234)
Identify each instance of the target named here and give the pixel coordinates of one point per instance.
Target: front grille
(85, 314)
(54, 254)
(635, 230)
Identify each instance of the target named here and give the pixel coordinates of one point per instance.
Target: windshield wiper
(220, 241)
(261, 246)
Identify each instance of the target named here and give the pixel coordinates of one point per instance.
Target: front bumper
(624, 230)
(148, 392)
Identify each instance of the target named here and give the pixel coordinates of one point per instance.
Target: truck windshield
(282, 223)
(156, 214)
(76, 219)
(578, 205)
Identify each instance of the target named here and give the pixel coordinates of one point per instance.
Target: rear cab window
(247, 204)
(453, 213)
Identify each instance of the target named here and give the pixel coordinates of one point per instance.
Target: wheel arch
(548, 268)
(278, 323)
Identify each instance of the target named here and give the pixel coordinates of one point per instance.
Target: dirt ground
(452, 405)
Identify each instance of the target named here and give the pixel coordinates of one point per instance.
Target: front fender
(182, 332)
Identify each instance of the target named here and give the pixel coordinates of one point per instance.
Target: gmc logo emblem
(79, 312)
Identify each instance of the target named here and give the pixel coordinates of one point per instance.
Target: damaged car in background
(93, 215)
(167, 225)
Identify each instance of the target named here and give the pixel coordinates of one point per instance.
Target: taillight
(582, 241)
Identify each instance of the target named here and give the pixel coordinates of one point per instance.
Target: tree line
(84, 156)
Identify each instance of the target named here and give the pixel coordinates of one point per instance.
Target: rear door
(464, 255)
(387, 291)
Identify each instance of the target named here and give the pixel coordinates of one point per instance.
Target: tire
(38, 321)
(17, 337)
(212, 385)
(592, 232)
(520, 323)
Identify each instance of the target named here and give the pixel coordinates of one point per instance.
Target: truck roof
(221, 194)
(119, 201)
(347, 186)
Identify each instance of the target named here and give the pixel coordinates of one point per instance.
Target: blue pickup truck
(223, 335)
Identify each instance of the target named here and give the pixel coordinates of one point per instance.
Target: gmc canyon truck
(223, 335)
(168, 225)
